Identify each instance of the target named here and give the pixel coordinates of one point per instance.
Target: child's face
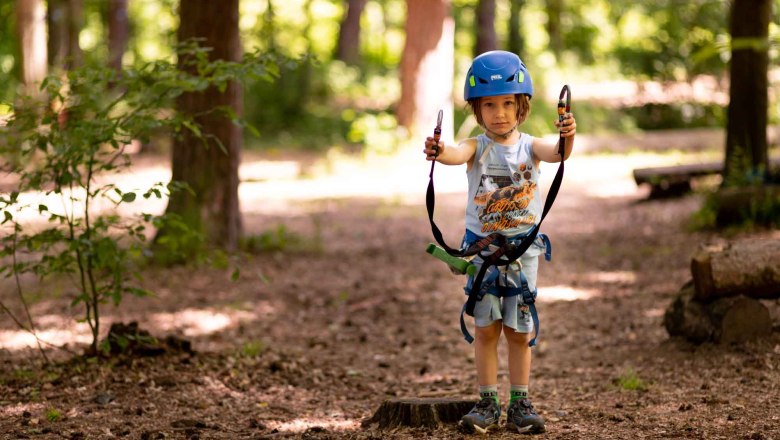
(499, 113)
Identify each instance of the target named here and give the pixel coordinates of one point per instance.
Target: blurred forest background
(87, 82)
(123, 124)
(346, 92)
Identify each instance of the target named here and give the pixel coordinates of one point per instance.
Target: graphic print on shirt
(502, 202)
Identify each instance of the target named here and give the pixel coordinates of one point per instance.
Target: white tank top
(503, 193)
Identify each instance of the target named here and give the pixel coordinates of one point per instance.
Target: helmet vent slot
(482, 80)
(510, 79)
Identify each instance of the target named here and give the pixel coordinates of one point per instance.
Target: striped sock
(517, 392)
(488, 391)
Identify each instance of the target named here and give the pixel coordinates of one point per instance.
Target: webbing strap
(507, 252)
(524, 291)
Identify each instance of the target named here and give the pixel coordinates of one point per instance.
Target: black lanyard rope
(508, 251)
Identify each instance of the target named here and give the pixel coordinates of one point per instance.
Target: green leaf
(128, 197)
(235, 275)
(8, 217)
(193, 128)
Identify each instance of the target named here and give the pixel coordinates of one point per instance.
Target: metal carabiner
(563, 109)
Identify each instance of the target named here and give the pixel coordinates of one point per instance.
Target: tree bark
(65, 19)
(758, 204)
(724, 321)
(118, 32)
(427, 68)
(348, 46)
(211, 171)
(429, 413)
(31, 32)
(516, 43)
(747, 154)
(750, 268)
(554, 31)
(486, 27)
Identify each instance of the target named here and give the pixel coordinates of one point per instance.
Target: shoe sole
(530, 429)
(472, 428)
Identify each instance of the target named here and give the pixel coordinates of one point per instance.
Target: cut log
(417, 412)
(748, 267)
(739, 319)
(688, 318)
(726, 320)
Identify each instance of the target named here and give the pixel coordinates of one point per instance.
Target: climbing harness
(507, 250)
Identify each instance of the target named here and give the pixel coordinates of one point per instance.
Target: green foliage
(68, 149)
(658, 39)
(762, 211)
(53, 414)
(629, 380)
(252, 348)
(278, 239)
(8, 64)
(653, 116)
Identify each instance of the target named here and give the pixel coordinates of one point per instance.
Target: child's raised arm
(547, 151)
(449, 155)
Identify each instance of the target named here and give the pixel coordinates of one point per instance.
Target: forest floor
(350, 311)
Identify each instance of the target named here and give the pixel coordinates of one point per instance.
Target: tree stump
(750, 268)
(725, 320)
(419, 412)
(758, 204)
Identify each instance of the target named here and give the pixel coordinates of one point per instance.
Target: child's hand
(569, 126)
(431, 151)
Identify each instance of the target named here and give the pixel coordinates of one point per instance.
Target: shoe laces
(525, 407)
(486, 406)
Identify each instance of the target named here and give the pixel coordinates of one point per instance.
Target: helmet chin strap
(502, 136)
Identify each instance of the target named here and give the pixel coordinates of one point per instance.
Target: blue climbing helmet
(497, 73)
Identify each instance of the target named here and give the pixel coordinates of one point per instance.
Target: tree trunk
(31, 32)
(118, 32)
(65, 20)
(211, 171)
(57, 21)
(747, 154)
(759, 205)
(429, 413)
(516, 43)
(427, 68)
(486, 27)
(750, 268)
(348, 47)
(554, 11)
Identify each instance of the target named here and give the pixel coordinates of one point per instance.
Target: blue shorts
(514, 313)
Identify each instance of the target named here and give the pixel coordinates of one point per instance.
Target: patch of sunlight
(614, 277)
(219, 388)
(564, 293)
(20, 408)
(194, 322)
(654, 313)
(263, 170)
(65, 333)
(300, 425)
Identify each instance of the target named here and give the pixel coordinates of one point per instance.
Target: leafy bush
(65, 146)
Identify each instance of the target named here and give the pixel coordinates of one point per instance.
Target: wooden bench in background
(676, 180)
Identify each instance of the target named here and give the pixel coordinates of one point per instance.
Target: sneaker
(522, 417)
(483, 417)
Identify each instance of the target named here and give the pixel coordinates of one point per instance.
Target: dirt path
(312, 338)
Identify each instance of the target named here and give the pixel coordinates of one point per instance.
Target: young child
(504, 197)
